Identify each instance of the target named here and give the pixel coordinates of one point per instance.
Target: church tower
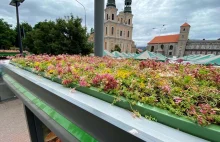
(183, 38)
(128, 6)
(118, 28)
(111, 10)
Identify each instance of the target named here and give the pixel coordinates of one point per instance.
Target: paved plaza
(13, 126)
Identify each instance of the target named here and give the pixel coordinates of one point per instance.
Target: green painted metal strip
(77, 132)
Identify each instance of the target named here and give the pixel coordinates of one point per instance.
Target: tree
(91, 30)
(117, 48)
(25, 28)
(7, 35)
(65, 35)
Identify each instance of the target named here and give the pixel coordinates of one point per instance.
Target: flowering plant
(192, 91)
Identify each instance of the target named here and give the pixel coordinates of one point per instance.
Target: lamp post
(84, 10)
(17, 3)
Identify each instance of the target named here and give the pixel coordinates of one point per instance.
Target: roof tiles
(165, 39)
(185, 25)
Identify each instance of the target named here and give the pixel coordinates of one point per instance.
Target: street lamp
(17, 3)
(84, 10)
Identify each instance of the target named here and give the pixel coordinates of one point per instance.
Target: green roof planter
(104, 86)
(5, 54)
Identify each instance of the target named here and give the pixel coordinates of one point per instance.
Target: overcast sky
(202, 15)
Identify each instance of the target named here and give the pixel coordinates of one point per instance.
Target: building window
(113, 17)
(128, 33)
(107, 16)
(129, 21)
(170, 53)
(112, 30)
(152, 49)
(171, 47)
(162, 46)
(121, 20)
(182, 36)
(106, 30)
(184, 29)
(120, 33)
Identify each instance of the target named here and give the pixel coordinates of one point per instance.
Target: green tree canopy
(117, 48)
(65, 35)
(7, 35)
(25, 28)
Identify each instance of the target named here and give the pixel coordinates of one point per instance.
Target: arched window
(107, 17)
(152, 49)
(112, 30)
(184, 29)
(128, 33)
(113, 17)
(171, 47)
(129, 21)
(162, 46)
(106, 29)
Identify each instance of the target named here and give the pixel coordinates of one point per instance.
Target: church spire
(111, 3)
(128, 6)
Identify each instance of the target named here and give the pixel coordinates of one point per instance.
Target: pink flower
(200, 119)
(83, 82)
(166, 89)
(66, 81)
(192, 110)
(178, 100)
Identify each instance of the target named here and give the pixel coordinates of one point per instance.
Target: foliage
(91, 30)
(7, 35)
(117, 48)
(192, 91)
(25, 28)
(64, 36)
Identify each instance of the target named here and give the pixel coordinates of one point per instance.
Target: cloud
(202, 15)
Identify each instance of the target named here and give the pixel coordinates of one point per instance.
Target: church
(180, 45)
(118, 28)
